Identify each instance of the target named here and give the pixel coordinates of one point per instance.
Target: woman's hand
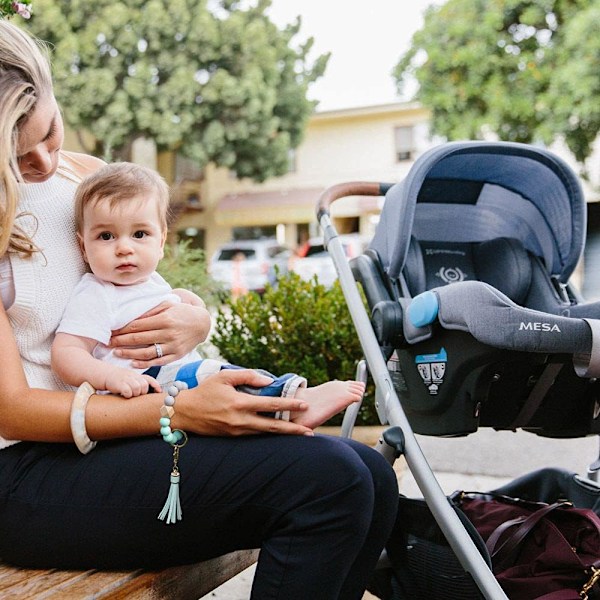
(178, 328)
(215, 407)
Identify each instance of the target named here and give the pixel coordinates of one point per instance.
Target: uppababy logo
(451, 274)
(538, 326)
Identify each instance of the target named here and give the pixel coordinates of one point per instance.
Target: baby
(121, 216)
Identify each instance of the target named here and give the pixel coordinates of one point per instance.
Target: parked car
(248, 265)
(314, 259)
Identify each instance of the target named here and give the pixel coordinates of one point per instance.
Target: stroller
(472, 319)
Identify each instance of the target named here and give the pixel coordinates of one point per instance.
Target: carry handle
(352, 188)
(501, 555)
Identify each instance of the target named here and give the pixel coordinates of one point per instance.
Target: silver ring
(159, 351)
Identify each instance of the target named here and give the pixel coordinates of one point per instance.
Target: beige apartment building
(373, 143)
(368, 143)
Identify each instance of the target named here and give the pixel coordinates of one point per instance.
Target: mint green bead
(177, 436)
(165, 421)
(166, 430)
(170, 438)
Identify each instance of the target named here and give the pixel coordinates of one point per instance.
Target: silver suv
(248, 265)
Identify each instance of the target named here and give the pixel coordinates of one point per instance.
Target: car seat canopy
(477, 191)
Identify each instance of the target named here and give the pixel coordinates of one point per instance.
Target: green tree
(573, 95)
(216, 82)
(513, 67)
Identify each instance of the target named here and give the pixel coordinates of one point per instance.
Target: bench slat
(188, 582)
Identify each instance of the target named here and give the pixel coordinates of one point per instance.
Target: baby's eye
(139, 234)
(106, 235)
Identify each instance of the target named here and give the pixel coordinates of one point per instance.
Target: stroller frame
(388, 404)
(559, 260)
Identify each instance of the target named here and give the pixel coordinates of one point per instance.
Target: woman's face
(39, 141)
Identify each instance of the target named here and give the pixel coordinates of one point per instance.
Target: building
(370, 143)
(373, 143)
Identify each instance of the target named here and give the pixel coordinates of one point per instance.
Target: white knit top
(43, 282)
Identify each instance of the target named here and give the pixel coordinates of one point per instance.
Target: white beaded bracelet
(80, 400)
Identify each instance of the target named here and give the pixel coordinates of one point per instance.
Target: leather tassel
(171, 512)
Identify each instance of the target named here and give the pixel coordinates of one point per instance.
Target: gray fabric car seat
(452, 377)
(503, 263)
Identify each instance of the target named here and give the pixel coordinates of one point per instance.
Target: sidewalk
(479, 462)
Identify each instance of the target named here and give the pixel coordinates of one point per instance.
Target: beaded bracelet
(177, 438)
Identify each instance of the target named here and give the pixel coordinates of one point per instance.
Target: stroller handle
(352, 188)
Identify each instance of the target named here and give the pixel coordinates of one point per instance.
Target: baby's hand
(129, 383)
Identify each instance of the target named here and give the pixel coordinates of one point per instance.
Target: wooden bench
(189, 582)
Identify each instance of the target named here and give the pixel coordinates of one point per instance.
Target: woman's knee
(384, 476)
(332, 469)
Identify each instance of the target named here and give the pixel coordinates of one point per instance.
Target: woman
(319, 508)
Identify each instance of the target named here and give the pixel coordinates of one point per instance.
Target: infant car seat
(467, 281)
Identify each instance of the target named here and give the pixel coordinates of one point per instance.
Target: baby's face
(123, 244)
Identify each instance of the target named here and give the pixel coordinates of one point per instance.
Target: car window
(229, 253)
(319, 249)
(316, 249)
(276, 251)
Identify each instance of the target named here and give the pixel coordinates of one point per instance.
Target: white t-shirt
(96, 308)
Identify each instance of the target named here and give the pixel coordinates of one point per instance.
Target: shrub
(185, 267)
(298, 326)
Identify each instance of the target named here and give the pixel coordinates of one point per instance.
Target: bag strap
(502, 554)
(459, 496)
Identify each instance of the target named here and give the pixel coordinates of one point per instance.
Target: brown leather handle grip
(352, 188)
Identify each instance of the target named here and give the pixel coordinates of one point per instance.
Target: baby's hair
(120, 182)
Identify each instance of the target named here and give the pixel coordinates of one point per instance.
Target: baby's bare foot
(326, 400)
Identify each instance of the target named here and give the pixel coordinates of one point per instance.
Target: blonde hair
(120, 182)
(25, 77)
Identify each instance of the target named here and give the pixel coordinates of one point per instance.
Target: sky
(366, 40)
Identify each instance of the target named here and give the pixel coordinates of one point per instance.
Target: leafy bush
(298, 326)
(185, 267)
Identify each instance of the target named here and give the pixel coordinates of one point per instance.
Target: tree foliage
(523, 69)
(215, 81)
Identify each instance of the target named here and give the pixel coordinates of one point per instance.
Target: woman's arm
(213, 408)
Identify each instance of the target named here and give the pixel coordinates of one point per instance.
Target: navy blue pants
(319, 508)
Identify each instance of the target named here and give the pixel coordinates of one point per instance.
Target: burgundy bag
(539, 551)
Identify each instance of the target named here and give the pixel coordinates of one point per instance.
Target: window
(253, 233)
(403, 138)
